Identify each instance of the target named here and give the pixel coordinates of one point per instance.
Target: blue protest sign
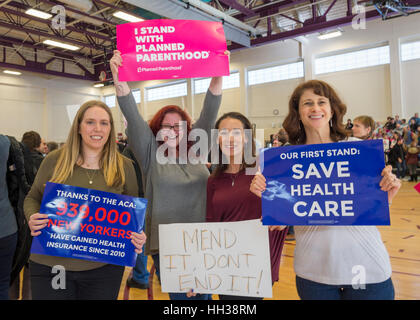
(325, 184)
(89, 224)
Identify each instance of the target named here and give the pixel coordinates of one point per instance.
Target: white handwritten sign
(231, 258)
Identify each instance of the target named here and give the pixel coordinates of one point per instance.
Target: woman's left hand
(138, 240)
(389, 183)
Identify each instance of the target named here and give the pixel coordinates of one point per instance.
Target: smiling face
(232, 138)
(95, 128)
(172, 130)
(360, 130)
(314, 110)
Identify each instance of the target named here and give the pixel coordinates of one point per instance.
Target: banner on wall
(231, 258)
(325, 184)
(89, 224)
(171, 49)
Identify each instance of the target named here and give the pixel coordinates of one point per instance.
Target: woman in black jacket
(397, 156)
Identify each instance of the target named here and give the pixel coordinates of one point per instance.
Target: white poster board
(231, 258)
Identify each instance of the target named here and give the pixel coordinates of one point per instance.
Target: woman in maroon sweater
(228, 195)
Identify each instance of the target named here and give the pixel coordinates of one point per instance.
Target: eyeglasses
(168, 127)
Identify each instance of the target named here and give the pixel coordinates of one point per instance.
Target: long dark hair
(294, 126)
(221, 167)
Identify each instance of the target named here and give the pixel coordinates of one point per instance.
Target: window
(410, 51)
(277, 73)
(167, 91)
(110, 100)
(137, 95)
(229, 82)
(353, 60)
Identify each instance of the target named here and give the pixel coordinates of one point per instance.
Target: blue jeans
(178, 296)
(140, 273)
(401, 169)
(310, 290)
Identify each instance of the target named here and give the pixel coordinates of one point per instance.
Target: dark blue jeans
(7, 252)
(178, 296)
(401, 169)
(310, 290)
(140, 272)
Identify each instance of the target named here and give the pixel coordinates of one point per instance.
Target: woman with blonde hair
(89, 159)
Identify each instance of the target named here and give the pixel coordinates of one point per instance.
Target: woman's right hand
(116, 61)
(258, 184)
(37, 221)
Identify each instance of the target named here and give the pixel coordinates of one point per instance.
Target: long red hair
(156, 122)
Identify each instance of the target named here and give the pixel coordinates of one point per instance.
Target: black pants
(7, 252)
(97, 284)
(227, 297)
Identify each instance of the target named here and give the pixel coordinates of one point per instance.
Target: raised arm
(122, 87)
(140, 137)
(211, 104)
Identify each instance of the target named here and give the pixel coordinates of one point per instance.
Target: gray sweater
(8, 224)
(176, 193)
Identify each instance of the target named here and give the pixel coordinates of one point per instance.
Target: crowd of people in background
(401, 140)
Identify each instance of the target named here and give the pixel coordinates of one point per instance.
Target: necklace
(233, 177)
(91, 177)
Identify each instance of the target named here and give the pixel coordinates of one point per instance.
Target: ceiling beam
(47, 22)
(48, 35)
(235, 5)
(41, 68)
(315, 27)
(268, 9)
(104, 21)
(33, 45)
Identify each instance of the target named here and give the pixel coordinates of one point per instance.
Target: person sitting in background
(281, 138)
(398, 129)
(363, 127)
(51, 146)
(415, 118)
(349, 125)
(413, 124)
(378, 132)
(390, 124)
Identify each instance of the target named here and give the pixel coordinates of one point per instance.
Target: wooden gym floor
(402, 240)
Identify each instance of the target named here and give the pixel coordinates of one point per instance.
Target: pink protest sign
(170, 49)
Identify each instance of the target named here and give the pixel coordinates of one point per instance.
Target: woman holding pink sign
(175, 187)
(333, 262)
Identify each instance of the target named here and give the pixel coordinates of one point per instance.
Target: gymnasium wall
(31, 102)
